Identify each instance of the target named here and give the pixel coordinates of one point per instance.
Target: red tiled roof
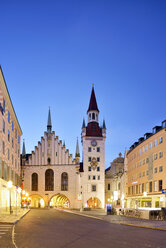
(93, 129)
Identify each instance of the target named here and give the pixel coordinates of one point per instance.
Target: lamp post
(10, 185)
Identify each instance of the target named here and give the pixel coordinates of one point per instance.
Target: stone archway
(94, 202)
(59, 200)
(36, 201)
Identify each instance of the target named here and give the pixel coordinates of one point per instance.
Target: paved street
(52, 228)
(6, 236)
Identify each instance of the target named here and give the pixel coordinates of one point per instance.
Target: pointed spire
(93, 103)
(104, 126)
(63, 143)
(77, 149)
(49, 125)
(23, 149)
(83, 123)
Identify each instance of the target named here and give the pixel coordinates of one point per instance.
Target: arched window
(93, 116)
(49, 180)
(49, 161)
(89, 116)
(64, 181)
(34, 182)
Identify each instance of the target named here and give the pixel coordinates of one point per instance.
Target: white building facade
(53, 178)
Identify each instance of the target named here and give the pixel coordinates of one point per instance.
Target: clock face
(94, 143)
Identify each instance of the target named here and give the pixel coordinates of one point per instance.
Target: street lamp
(10, 185)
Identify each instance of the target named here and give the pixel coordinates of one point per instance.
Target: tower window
(98, 168)
(89, 159)
(98, 149)
(89, 149)
(89, 116)
(93, 116)
(49, 160)
(93, 188)
(98, 159)
(89, 168)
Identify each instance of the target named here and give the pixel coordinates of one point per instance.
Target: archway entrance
(36, 201)
(94, 202)
(59, 201)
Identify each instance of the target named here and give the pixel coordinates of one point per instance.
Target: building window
(155, 156)
(155, 142)
(3, 147)
(139, 188)
(15, 133)
(3, 104)
(142, 187)
(160, 168)
(98, 177)
(12, 143)
(12, 126)
(8, 116)
(15, 163)
(143, 173)
(143, 149)
(15, 148)
(89, 149)
(147, 173)
(8, 154)
(155, 170)
(151, 145)
(8, 136)
(98, 159)
(94, 177)
(118, 186)
(89, 159)
(34, 182)
(160, 154)
(160, 140)
(98, 149)
(143, 162)
(150, 186)
(160, 185)
(88, 177)
(98, 168)
(93, 116)
(155, 186)
(89, 117)
(49, 180)
(93, 188)
(89, 168)
(146, 147)
(147, 160)
(18, 139)
(64, 181)
(109, 186)
(3, 126)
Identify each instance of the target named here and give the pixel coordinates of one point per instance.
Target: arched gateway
(36, 201)
(59, 200)
(94, 202)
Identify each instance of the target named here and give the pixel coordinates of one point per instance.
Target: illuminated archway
(59, 200)
(36, 201)
(94, 202)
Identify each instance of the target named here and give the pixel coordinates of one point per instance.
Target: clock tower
(93, 174)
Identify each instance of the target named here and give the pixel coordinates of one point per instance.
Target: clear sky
(52, 51)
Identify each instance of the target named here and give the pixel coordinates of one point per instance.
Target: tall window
(49, 180)
(8, 116)
(64, 181)
(93, 116)
(3, 126)
(34, 182)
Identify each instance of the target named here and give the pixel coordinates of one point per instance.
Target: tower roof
(23, 149)
(83, 123)
(77, 149)
(49, 124)
(93, 103)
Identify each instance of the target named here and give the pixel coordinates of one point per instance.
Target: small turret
(77, 154)
(104, 129)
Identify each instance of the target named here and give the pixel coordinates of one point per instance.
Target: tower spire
(93, 102)
(49, 125)
(77, 149)
(23, 149)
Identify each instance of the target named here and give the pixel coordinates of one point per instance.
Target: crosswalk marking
(1, 233)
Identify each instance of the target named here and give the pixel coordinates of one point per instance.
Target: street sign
(164, 191)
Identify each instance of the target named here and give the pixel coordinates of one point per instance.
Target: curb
(147, 227)
(120, 223)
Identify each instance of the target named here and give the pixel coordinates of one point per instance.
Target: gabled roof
(93, 103)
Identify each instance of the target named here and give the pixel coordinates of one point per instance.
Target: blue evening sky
(52, 51)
